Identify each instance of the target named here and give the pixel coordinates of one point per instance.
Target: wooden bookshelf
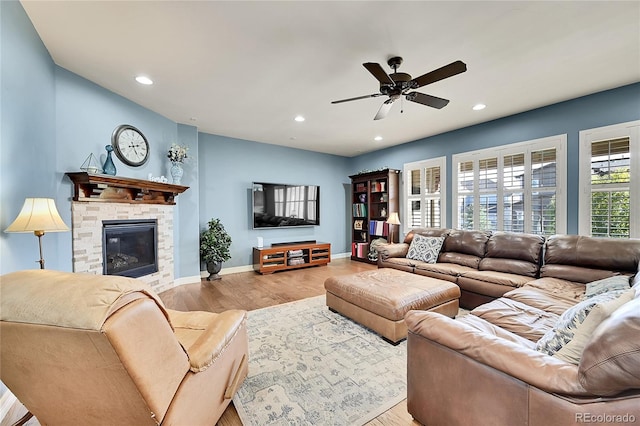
(267, 260)
(374, 196)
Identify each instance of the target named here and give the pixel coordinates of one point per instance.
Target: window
(296, 201)
(609, 187)
(424, 193)
(517, 188)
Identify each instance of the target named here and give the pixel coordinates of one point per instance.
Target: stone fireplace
(100, 200)
(87, 222)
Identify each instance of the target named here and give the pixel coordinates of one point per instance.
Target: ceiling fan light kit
(399, 84)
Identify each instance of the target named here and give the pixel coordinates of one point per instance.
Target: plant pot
(213, 268)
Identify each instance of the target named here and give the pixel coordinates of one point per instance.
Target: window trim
(629, 129)
(559, 142)
(406, 186)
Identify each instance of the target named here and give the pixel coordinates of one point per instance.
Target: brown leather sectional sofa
(487, 265)
(484, 368)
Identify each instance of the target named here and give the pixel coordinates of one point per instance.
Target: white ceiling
(246, 69)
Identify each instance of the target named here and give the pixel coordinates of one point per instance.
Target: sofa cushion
(617, 282)
(425, 249)
(466, 242)
(611, 359)
(523, 320)
(576, 274)
(468, 260)
(501, 278)
(452, 269)
(549, 294)
(571, 320)
(425, 232)
(511, 266)
(584, 255)
(509, 245)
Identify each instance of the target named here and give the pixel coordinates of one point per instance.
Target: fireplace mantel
(116, 189)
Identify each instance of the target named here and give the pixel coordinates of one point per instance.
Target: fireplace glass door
(129, 247)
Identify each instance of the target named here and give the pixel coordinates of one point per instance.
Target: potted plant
(214, 248)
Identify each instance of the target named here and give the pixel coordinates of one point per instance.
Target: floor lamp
(38, 215)
(392, 221)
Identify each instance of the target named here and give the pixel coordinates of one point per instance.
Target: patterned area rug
(310, 366)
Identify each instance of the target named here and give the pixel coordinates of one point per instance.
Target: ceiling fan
(401, 84)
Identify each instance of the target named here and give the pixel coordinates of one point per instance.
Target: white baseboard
(186, 280)
(340, 255)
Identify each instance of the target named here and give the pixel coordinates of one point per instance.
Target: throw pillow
(577, 323)
(425, 249)
(617, 282)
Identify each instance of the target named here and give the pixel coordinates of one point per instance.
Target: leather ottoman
(379, 299)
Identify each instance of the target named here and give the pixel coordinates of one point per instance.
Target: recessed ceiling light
(142, 79)
(377, 138)
(478, 107)
(299, 118)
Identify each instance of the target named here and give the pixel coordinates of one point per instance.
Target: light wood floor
(249, 291)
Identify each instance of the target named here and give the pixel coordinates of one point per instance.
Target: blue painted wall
(227, 168)
(27, 150)
(570, 117)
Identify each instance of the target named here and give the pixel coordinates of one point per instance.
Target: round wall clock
(130, 145)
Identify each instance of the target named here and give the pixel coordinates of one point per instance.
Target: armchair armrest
(385, 251)
(534, 368)
(204, 335)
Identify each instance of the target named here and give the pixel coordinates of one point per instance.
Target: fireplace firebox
(129, 247)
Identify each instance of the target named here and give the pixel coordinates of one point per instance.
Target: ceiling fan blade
(357, 98)
(379, 73)
(428, 100)
(384, 109)
(447, 71)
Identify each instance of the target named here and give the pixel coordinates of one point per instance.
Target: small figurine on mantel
(160, 179)
(90, 165)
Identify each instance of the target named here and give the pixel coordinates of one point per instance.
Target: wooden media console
(283, 257)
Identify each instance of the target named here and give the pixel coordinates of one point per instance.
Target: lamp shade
(393, 219)
(38, 214)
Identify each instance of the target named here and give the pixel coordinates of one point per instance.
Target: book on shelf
(379, 228)
(362, 249)
(378, 186)
(361, 187)
(359, 210)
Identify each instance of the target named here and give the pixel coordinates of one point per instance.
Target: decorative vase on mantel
(109, 168)
(176, 172)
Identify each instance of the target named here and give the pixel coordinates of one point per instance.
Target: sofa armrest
(534, 368)
(386, 251)
(214, 333)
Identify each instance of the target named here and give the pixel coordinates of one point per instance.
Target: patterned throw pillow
(577, 323)
(425, 249)
(617, 282)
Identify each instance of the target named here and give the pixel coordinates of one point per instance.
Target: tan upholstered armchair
(97, 350)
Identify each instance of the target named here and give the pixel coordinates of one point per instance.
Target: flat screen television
(277, 205)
